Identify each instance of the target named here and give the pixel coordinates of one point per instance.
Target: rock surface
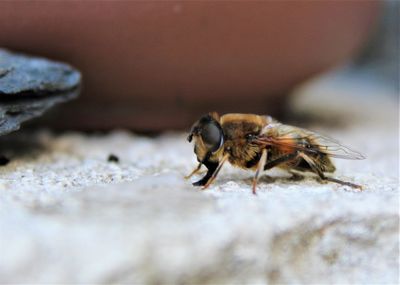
(29, 86)
(68, 215)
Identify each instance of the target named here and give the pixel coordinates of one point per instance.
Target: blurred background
(152, 65)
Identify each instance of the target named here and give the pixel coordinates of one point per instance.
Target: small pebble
(113, 158)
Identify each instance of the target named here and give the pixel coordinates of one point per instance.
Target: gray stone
(20, 74)
(30, 85)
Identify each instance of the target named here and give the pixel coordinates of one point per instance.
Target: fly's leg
(320, 173)
(211, 167)
(215, 173)
(260, 167)
(295, 176)
(280, 160)
(344, 183)
(197, 169)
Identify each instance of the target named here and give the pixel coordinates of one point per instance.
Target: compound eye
(212, 136)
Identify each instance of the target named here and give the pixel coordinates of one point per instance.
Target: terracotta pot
(154, 65)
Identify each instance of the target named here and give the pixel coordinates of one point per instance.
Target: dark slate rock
(20, 74)
(30, 85)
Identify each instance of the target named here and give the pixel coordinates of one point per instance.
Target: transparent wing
(307, 141)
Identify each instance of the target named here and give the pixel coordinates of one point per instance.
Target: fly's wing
(285, 136)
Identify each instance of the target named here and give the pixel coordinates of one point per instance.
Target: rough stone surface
(20, 74)
(68, 215)
(29, 86)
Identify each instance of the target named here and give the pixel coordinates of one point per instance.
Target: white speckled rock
(67, 215)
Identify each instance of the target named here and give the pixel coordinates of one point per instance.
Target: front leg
(197, 169)
(213, 170)
(211, 167)
(215, 173)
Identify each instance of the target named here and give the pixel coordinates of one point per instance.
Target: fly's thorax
(240, 130)
(242, 153)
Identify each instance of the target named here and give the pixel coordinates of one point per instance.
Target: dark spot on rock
(13, 112)
(4, 72)
(113, 158)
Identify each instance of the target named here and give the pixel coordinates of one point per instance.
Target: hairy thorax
(238, 134)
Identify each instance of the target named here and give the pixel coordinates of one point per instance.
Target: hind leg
(295, 176)
(321, 174)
